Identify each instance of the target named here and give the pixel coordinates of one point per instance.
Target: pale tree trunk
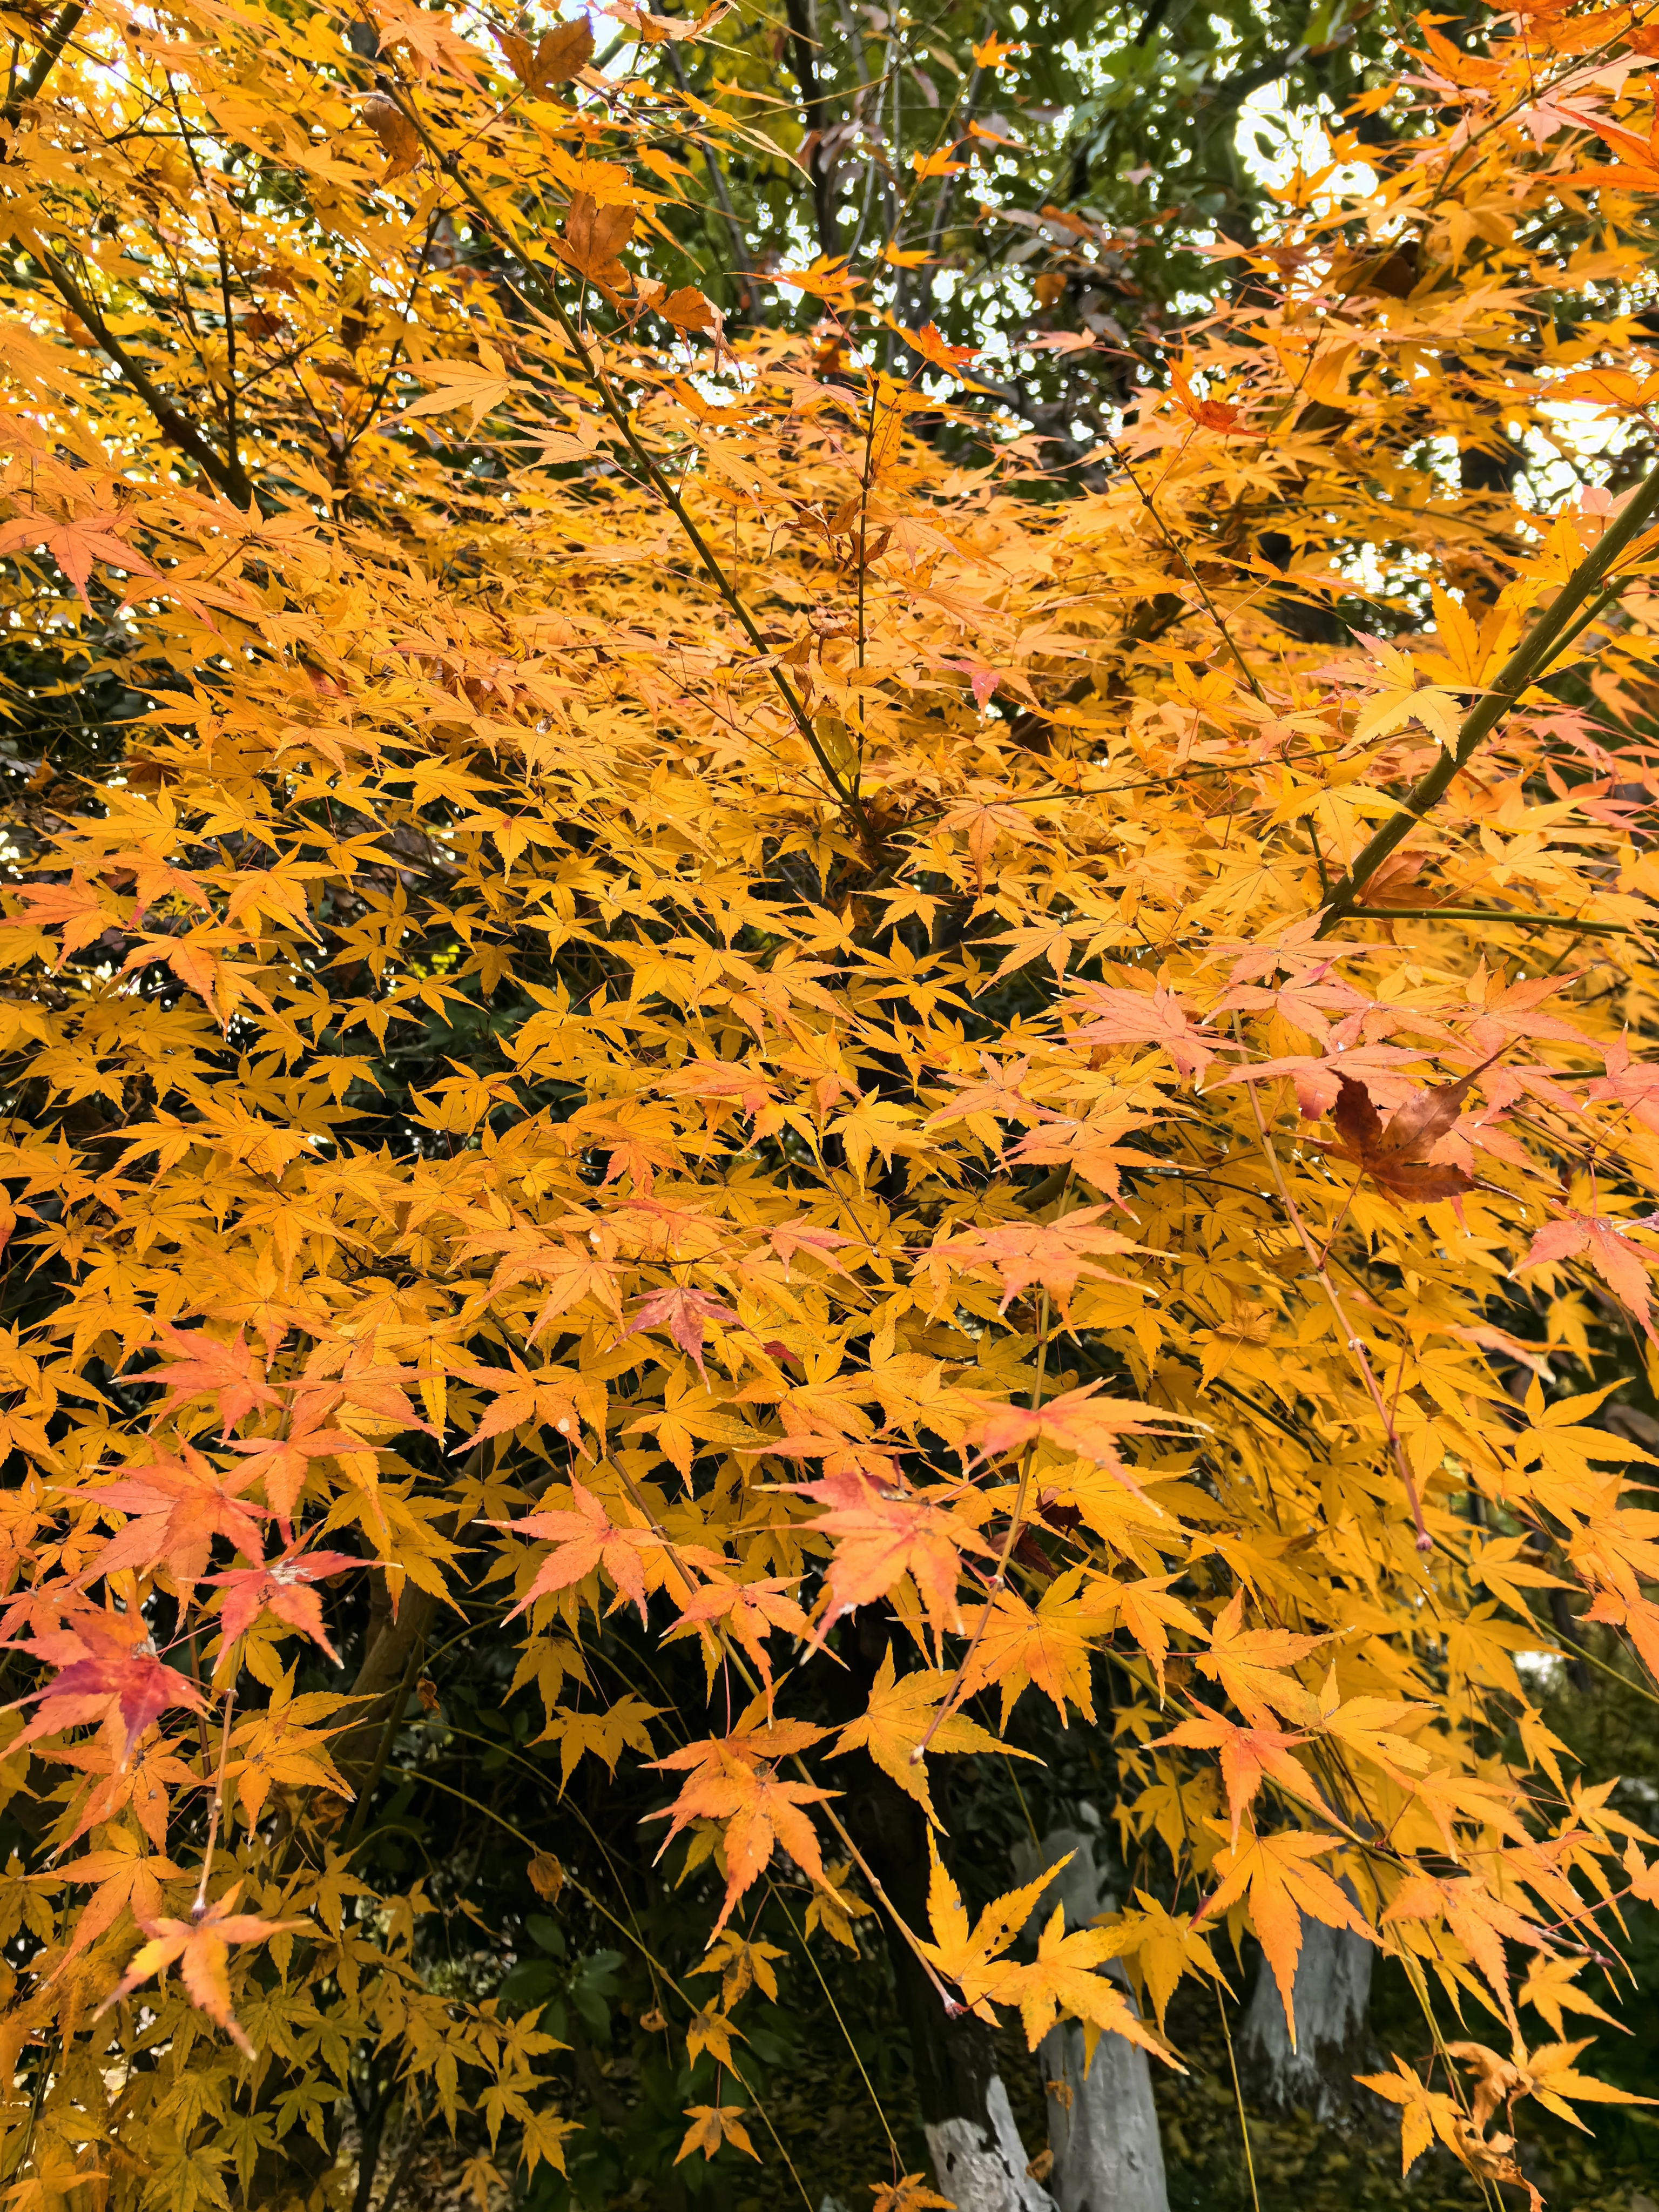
(1332, 1995)
(981, 2161)
(1103, 2123)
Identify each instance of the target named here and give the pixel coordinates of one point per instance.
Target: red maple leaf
(177, 1507)
(682, 1312)
(280, 1586)
(104, 1669)
(1622, 1266)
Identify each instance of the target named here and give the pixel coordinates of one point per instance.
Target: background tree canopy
(832, 1155)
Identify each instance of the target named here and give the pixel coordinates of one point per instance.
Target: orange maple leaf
(76, 545)
(75, 908)
(586, 1537)
(733, 1780)
(885, 1530)
(1249, 1664)
(1283, 1888)
(750, 1612)
(1079, 1423)
(177, 1507)
(1027, 1252)
(202, 1946)
(1249, 1756)
(282, 1464)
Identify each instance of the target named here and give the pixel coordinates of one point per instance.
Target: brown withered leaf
(562, 53)
(686, 309)
(546, 1876)
(394, 131)
(1395, 1153)
(520, 54)
(592, 237)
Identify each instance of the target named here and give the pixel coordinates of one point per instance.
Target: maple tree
(685, 1038)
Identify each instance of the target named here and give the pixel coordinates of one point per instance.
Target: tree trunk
(1103, 2123)
(979, 2160)
(1333, 1992)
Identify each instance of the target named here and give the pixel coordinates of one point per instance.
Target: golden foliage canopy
(1006, 1070)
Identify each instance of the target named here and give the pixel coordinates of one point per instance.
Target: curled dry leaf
(1395, 1153)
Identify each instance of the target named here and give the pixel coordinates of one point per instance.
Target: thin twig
(1520, 918)
(200, 1906)
(847, 795)
(1238, 2100)
(1180, 552)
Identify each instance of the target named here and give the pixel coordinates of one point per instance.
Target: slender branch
(1238, 2100)
(847, 795)
(1548, 636)
(717, 179)
(200, 1906)
(229, 477)
(45, 62)
(1520, 918)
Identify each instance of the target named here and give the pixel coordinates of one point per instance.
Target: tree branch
(229, 477)
(813, 98)
(1549, 635)
(45, 62)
